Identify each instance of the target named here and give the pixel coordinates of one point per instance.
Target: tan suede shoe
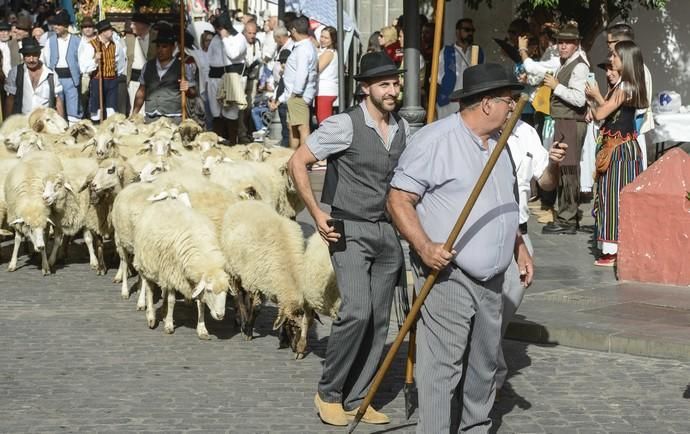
(370, 416)
(329, 412)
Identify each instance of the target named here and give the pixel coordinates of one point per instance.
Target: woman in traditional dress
(618, 155)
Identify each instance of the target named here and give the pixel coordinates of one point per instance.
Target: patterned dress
(619, 161)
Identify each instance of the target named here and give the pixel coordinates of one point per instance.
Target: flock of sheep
(190, 216)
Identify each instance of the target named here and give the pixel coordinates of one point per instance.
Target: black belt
(63, 72)
(218, 71)
(523, 228)
(339, 213)
(136, 73)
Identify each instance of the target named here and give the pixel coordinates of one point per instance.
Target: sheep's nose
(205, 171)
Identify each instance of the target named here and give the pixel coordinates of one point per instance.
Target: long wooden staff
(429, 283)
(100, 81)
(183, 61)
(438, 36)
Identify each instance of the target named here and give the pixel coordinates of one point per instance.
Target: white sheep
(177, 248)
(47, 120)
(13, 123)
(112, 175)
(250, 152)
(26, 211)
(264, 253)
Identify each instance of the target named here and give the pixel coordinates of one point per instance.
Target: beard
(469, 40)
(386, 104)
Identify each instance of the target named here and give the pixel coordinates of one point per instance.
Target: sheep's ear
(266, 153)
(158, 197)
(144, 150)
(199, 288)
(317, 317)
(91, 142)
(51, 222)
(68, 187)
(18, 221)
(175, 152)
(250, 193)
(280, 320)
(184, 198)
(227, 160)
(87, 182)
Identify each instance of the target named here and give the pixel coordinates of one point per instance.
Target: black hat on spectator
(104, 25)
(165, 37)
(30, 46)
(24, 23)
(482, 78)
(189, 40)
(376, 65)
(140, 18)
(604, 65)
(5, 26)
(61, 19)
(224, 21)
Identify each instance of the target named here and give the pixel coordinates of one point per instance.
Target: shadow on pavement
(686, 394)
(517, 358)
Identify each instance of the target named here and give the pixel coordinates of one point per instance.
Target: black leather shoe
(555, 228)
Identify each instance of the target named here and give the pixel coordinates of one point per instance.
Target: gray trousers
(458, 336)
(366, 272)
(513, 292)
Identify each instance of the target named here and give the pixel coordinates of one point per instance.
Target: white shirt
(62, 44)
(6, 61)
(573, 92)
(531, 160)
(227, 51)
(301, 72)
(269, 46)
(462, 62)
(328, 78)
(33, 98)
(87, 61)
(141, 47)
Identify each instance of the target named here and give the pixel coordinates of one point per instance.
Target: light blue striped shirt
(441, 165)
(300, 74)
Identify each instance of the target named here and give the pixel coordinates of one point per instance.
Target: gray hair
(281, 30)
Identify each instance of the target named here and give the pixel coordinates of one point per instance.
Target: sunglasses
(467, 29)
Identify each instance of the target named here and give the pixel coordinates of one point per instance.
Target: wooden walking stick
(438, 32)
(183, 61)
(448, 245)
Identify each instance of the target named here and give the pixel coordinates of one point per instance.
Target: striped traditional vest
(107, 59)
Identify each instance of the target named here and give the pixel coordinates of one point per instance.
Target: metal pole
(281, 10)
(412, 110)
(183, 95)
(341, 57)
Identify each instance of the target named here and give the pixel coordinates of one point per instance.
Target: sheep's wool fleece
(175, 246)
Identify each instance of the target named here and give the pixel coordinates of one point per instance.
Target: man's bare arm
(401, 206)
(139, 98)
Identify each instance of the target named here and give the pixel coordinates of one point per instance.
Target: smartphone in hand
(339, 226)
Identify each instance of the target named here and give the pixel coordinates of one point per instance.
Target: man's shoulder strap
(51, 86)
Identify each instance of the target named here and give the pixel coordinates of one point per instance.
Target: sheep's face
(205, 141)
(55, 190)
(213, 293)
(51, 123)
(26, 140)
(105, 146)
(82, 129)
(293, 329)
(209, 159)
(107, 177)
(34, 232)
(159, 147)
(256, 152)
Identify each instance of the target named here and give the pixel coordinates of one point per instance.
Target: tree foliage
(593, 16)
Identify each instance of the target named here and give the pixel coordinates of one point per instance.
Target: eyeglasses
(467, 29)
(506, 99)
(613, 41)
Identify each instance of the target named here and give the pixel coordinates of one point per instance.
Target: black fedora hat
(165, 36)
(223, 20)
(604, 65)
(24, 23)
(104, 25)
(376, 65)
(483, 78)
(87, 22)
(61, 19)
(30, 46)
(5, 26)
(138, 17)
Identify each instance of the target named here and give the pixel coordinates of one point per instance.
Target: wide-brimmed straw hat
(483, 78)
(376, 65)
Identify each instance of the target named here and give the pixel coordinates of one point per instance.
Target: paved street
(77, 358)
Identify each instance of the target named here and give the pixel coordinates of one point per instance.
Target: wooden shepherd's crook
(448, 245)
(183, 62)
(101, 103)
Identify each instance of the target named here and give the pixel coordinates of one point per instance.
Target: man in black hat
(161, 82)
(226, 55)
(433, 180)
(104, 60)
(140, 49)
(31, 85)
(61, 54)
(568, 109)
(22, 30)
(362, 147)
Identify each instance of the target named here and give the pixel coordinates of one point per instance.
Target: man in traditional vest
(568, 107)
(140, 49)
(362, 147)
(161, 82)
(31, 84)
(61, 54)
(453, 61)
(88, 33)
(104, 59)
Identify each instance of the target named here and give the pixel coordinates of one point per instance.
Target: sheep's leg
(200, 322)
(88, 240)
(255, 302)
(15, 252)
(45, 267)
(242, 308)
(150, 310)
(141, 300)
(57, 242)
(121, 275)
(168, 324)
(99, 253)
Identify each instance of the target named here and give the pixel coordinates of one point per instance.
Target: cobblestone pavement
(77, 358)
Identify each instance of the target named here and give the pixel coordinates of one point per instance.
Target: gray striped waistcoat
(358, 178)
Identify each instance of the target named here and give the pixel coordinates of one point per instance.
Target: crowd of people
(380, 180)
